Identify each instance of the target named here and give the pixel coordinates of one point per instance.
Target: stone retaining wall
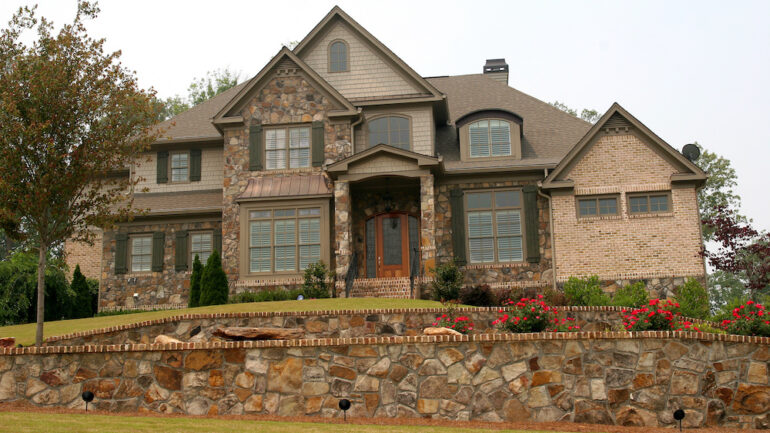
(608, 378)
(318, 324)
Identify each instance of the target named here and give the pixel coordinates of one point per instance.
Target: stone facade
(516, 275)
(634, 379)
(166, 287)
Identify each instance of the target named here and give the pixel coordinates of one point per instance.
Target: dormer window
(489, 138)
(391, 130)
(338, 56)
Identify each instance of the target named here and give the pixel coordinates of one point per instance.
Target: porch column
(343, 227)
(427, 224)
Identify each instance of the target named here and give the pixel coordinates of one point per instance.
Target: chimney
(497, 70)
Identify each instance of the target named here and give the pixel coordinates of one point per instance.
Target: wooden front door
(392, 245)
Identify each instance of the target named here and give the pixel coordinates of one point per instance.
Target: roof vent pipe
(497, 70)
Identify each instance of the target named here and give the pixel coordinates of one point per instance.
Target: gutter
(550, 226)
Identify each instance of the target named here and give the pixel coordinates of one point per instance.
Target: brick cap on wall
(247, 315)
(399, 340)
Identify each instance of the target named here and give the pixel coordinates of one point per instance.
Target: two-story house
(338, 151)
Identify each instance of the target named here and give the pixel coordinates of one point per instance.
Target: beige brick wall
(211, 173)
(421, 122)
(624, 246)
(368, 75)
(89, 257)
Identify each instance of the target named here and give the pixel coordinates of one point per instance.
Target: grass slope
(76, 423)
(25, 334)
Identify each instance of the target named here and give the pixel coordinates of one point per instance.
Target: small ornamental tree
(82, 304)
(317, 281)
(214, 287)
(195, 283)
(70, 116)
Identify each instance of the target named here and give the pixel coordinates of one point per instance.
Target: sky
(690, 70)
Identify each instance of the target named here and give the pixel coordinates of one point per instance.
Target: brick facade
(89, 257)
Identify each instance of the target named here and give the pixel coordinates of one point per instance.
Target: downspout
(550, 227)
(353, 130)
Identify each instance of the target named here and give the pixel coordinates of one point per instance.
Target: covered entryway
(392, 239)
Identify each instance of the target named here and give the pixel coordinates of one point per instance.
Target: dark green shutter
(458, 225)
(531, 223)
(255, 147)
(195, 165)
(318, 144)
(162, 167)
(121, 250)
(158, 247)
(181, 251)
(218, 240)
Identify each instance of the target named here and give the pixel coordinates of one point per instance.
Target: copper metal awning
(314, 185)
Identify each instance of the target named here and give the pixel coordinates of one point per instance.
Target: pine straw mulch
(480, 425)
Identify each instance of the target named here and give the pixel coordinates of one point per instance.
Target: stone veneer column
(427, 224)
(343, 227)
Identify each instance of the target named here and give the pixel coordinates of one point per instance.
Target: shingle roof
(195, 123)
(549, 133)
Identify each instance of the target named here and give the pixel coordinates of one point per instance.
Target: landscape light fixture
(345, 405)
(87, 397)
(679, 416)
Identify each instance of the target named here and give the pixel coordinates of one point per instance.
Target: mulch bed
(549, 426)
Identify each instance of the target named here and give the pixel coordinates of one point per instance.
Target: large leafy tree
(718, 191)
(70, 117)
(200, 90)
(591, 116)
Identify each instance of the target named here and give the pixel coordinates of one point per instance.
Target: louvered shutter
(318, 143)
(181, 250)
(158, 244)
(255, 147)
(531, 223)
(458, 226)
(162, 167)
(195, 165)
(121, 251)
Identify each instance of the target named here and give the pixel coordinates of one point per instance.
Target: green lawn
(25, 334)
(85, 423)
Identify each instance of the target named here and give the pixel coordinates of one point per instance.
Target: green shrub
(214, 286)
(585, 292)
(318, 281)
(631, 295)
(478, 296)
(195, 283)
(693, 299)
(266, 296)
(750, 318)
(122, 312)
(82, 304)
(726, 311)
(447, 281)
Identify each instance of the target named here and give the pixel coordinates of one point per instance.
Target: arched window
(489, 138)
(338, 56)
(390, 130)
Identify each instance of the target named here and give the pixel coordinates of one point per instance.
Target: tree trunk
(40, 294)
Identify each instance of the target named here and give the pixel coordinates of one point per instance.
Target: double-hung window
(287, 147)
(494, 226)
(141, 253)
(284, 240)
(201, 246)
(489, 138)
(180, 167)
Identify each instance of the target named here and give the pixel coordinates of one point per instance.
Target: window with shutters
(287, 147)
(180, 166)
(284, 240)
(649, 203)
(338, 56)
(141, 253)
(597, 206)
(489, 138)
(391, 130)
(201, 244)
(494, 226)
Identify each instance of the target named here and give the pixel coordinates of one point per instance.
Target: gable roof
(343, 165)
(338, 13)
(616, 117)
(285, 53)
(548, 132)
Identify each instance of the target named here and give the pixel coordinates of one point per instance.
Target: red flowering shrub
(461, 324)
(532, 315)
(657, 315)
(749, 319)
